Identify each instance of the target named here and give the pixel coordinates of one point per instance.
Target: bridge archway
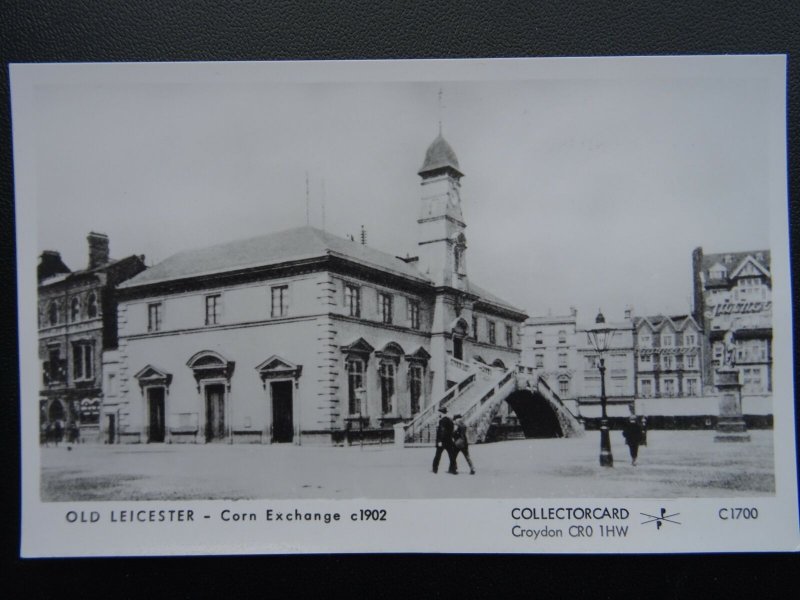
(536, 415)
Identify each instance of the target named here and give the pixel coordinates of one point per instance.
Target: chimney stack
(98, 249)
(50, 264)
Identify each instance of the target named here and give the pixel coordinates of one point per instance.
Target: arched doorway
(57, 411)
(213, 374)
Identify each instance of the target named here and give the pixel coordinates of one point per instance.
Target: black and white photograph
(277, 295)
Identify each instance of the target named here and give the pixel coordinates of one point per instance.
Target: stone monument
(730, 425)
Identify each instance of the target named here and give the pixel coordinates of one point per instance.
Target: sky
(585, 188)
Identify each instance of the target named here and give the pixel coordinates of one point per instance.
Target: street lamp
(600, 337)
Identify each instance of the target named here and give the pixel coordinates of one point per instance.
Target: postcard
(507, 305)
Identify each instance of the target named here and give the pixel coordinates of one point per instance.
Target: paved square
(673, 464)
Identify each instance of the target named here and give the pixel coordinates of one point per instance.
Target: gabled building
(733, 305)
(77, 316)
(669, 358)
(302, 336)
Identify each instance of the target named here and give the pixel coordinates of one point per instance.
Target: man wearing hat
(444, 442)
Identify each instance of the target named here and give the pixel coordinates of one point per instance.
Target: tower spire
(441, 109)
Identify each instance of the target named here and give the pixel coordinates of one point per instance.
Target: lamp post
(600, 337)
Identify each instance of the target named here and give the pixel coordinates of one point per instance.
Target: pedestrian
(461, 443)
(58, 431)
(632, 432)
(444, 442)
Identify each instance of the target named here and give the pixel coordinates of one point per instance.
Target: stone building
(549, 348)
(620, 376)
(302, 336)
(77, 321)
(733, 305)
(557, 349)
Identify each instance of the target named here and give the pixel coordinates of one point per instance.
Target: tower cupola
(440, 159)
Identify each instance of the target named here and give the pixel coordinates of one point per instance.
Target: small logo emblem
(660, 520)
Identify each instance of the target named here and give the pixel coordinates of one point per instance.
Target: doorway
(112, 429)
(155, 405)
(282, 417)
(458, 348)
(215, 412)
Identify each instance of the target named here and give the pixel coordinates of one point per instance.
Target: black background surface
(138, 30)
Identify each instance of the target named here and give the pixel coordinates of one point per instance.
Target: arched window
(52, 313)
(91, 306)
(75, 310)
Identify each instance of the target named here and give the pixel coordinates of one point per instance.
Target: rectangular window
(562, 360)
(387, 387)
(690, 340)
(413, 313)
(509, 336)
(385, 303)
(82, 361)
(540, 361)
(154, 317)
(690, 361)
(352, 300)
(563, 388)
(562, 336)
(213, 308)
(669, 387)
(691, 387)
(645, 341)
(415, 378)
(538, 338)
(647, 388)
(666, 361)
(591, 362)
(280, 301)
(645, 358)
(666, 341)
(355, 382)
(54, 367)
(475, 328)
(492, 338)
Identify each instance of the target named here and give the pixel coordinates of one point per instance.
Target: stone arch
(56, 411)
(535, 414)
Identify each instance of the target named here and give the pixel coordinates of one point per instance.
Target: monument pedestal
(730, 426)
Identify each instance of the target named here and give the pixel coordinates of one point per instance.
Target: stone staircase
(478, 397)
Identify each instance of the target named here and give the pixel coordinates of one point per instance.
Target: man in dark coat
(444, 442)
(632, 432)
(461, 443)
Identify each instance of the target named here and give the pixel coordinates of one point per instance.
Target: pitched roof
(273, 248)
(285, 246)
(731, 260)
(490, 298)
(658, 322)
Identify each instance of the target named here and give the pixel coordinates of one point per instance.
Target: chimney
(363, 236)
(98, 249)
(628, 312)
(50, 264)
